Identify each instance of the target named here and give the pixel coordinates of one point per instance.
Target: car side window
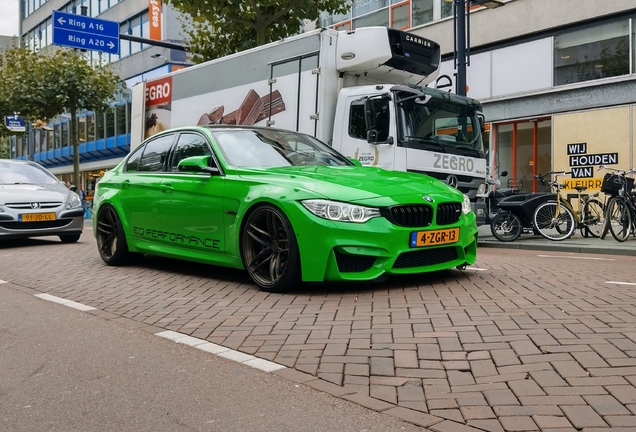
(155, 154)
(132, 164)
(189, 144)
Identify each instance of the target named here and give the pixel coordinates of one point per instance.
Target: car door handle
(125, 184)
(166, 188)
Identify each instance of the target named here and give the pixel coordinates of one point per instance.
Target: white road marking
(69, 303)
(250, 360)
(1, 281)
(476, 269)
(576, 257)
(621, 283)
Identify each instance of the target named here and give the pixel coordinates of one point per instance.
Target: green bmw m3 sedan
(281, 205)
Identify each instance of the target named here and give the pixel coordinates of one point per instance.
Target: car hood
(12, 193)
(373, 186)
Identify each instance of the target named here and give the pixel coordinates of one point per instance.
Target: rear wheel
(111, 240)
(269, 249)
(506, 227)
(620, 219)
(593, 218)
(554, 221)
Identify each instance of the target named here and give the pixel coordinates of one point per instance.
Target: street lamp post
(461, 30)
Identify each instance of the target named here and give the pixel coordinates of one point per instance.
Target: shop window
(592, 53)
(379, 18)
(400, 16)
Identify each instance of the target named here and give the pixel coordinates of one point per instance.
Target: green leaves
(221, 27)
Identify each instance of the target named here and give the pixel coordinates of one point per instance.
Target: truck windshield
(445, 125)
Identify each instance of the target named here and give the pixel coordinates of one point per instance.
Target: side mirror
(197, 164)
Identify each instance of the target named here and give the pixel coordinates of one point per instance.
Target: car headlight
(466, 205)
(73, 201)
(339, 211)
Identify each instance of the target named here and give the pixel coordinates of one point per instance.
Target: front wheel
(554, 221)
(506, 227)
(593, 218)
(620, 219)
(111, 239)
(269, 249)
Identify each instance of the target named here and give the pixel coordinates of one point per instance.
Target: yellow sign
(590, 183)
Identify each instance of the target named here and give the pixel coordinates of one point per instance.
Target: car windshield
(274, 148)
(23, 173)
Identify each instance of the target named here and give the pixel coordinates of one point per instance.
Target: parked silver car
(33, 202)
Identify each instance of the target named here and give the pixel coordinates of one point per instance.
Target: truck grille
(426, 257)
(448, 213)
(410, 215)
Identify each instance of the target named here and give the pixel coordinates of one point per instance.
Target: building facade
(104, 137)
(557, 79)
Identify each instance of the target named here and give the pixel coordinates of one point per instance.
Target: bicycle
(621, 208)
(557, 220)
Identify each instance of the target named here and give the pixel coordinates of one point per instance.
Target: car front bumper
(70, 222)
(333, 251)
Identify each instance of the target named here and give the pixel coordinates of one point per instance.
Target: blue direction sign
(14, 123)
(79, 31)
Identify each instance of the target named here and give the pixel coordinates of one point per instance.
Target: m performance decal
(177, 238)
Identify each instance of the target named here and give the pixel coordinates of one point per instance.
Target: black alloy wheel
(269, 249)
(111, 239)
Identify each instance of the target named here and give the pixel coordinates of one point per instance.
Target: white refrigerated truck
(363, 92)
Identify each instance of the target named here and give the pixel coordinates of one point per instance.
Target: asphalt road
(67, 370)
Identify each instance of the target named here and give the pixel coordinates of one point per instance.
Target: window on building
(110, 122)
(592, 53)
(343, 26)
(422, 12)
(90, 127)
(378, 18)
(447, 8)
(359, 8)
(400, 15)
(120, 119)
(66, 139)
(100, 126)
(57, 128)
(81, 129)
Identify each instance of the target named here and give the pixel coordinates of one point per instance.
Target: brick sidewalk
(522, 341)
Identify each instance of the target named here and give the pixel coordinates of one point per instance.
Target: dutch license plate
(36, 217)
(434, 237)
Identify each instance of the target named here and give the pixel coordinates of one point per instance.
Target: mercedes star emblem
(451, 180)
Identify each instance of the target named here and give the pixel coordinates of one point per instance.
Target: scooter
(493, 196)
(515, 215)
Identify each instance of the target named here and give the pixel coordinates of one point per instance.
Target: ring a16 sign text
(84, 32)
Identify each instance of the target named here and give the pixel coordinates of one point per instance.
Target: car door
(141, 187)
(191, 202)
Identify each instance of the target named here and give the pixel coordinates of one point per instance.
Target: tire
(269, 249)
(551, 225)
(111, 239)
(620, 219)
(73, 238)
(593, 216)
(506, 227)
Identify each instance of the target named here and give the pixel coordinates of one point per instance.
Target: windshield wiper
(428, 140)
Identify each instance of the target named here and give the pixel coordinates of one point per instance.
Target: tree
(41, 86)
(222, 27)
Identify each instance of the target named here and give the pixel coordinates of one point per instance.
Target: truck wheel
(506, 227)
(269, 249)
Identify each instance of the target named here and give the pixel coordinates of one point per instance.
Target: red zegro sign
(159, 91)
